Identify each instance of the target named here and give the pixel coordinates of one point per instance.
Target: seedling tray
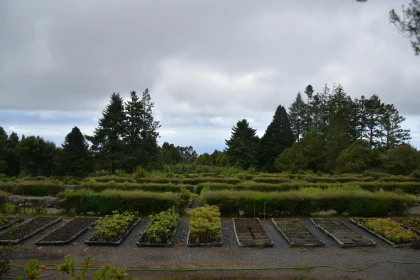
(141, 243)
(109, 243)
(249, 232)
(296, 233)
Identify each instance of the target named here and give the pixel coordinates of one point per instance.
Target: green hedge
(103, 203)
(407, 187)
(360, 203)
(33, 188)
(154, 187)
(106, 179)
(3, 196)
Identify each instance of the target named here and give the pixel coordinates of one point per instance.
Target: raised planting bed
(409, 223)
(6, 222)
(160, 231)
(342, 234)
(24, 231)
(390, 231)
(68, 232)
(296, 233)
(250, 233)
(205, 228)
(113, 229)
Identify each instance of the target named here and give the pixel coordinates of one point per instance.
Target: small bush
(140, 173)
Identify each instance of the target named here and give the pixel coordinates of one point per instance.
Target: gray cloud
(207, 64)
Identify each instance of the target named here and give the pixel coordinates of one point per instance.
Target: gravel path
(229, 255)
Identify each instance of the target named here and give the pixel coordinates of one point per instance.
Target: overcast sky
(207, 64)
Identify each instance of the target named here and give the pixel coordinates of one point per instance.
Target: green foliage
(361, 203)
(113, 226)
(32, 270)
(298, 116)
(162, 226)
(278, 137)
(74, 158)
(402, 160)
(355, 158)
(155, 187)
(389, 229)
(242, 147)
(140, 173)
(205, 224)
(84, 201)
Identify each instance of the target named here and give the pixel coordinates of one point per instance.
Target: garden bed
(250, 233)
(205, 228)
(27, 229)
(68, 232)
(296, 233)
(409, 223)
(160, 231)
(11, 220)
(389, 231)
(113, 229)
(342, 234)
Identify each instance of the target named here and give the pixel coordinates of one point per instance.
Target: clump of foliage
(140, 173)
(113, 226)
(389, 229)
(162, 226)
(409, 222)
(205, 224)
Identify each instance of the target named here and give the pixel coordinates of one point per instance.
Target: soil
(70, 230)
(296, 233)
(11, 221)
(22, 231)
(251, 233)
(341, 232)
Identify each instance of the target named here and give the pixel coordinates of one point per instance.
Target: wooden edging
(380, 236)
(16, 241)
(210, 244)
(149, 244)
(68, 241)
(343, 245)
(17, 221)
(89, 242)
(240, 244)
(293, 244)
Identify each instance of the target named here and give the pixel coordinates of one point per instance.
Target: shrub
(168, 187)
(205, 224)
(38, 188)
(84, 201)
(360, 203)
(140, 173)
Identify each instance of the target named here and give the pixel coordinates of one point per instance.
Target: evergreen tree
(308, 113)
(3, 151)
(12, 155)
(74, 158)
(242, 147)
(393, 133)
(320, 111)
(107, 141)
(36, 156)
(298, 117)
(203, 159)
(188, 154)
(355, 158)
(373, 111)
(278, 137)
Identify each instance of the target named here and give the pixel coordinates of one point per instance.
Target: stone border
(293, 244)
(240, 244)
(68, 241)
(343, 245)
(210, 244)
(16, 241)
(380, 236)
(20, 219)
(89, 242)
(148, 244)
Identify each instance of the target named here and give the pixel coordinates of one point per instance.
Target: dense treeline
(324, 132)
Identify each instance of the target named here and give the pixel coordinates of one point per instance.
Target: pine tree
(107, 141)
(373, 111)
(242, 147)
(13, 168)
(36, 156)
(3, 151)
(298, 117)
(278, 137)
(308, 113)
(393, 133)
(74, 158)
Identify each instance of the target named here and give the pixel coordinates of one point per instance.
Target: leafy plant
(162, 226)
(205, 224)
(389, 229)
(111, 227)
(33, 270)
(68, 267)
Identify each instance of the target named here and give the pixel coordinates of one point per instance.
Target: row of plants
(161, 229)
(274, 204)
(391, 230)
(113, 228)
(165, 180)
(153, 187)
(205, 226)
(296, 234)
(84, 201)
(406, 187)
(411, 223)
